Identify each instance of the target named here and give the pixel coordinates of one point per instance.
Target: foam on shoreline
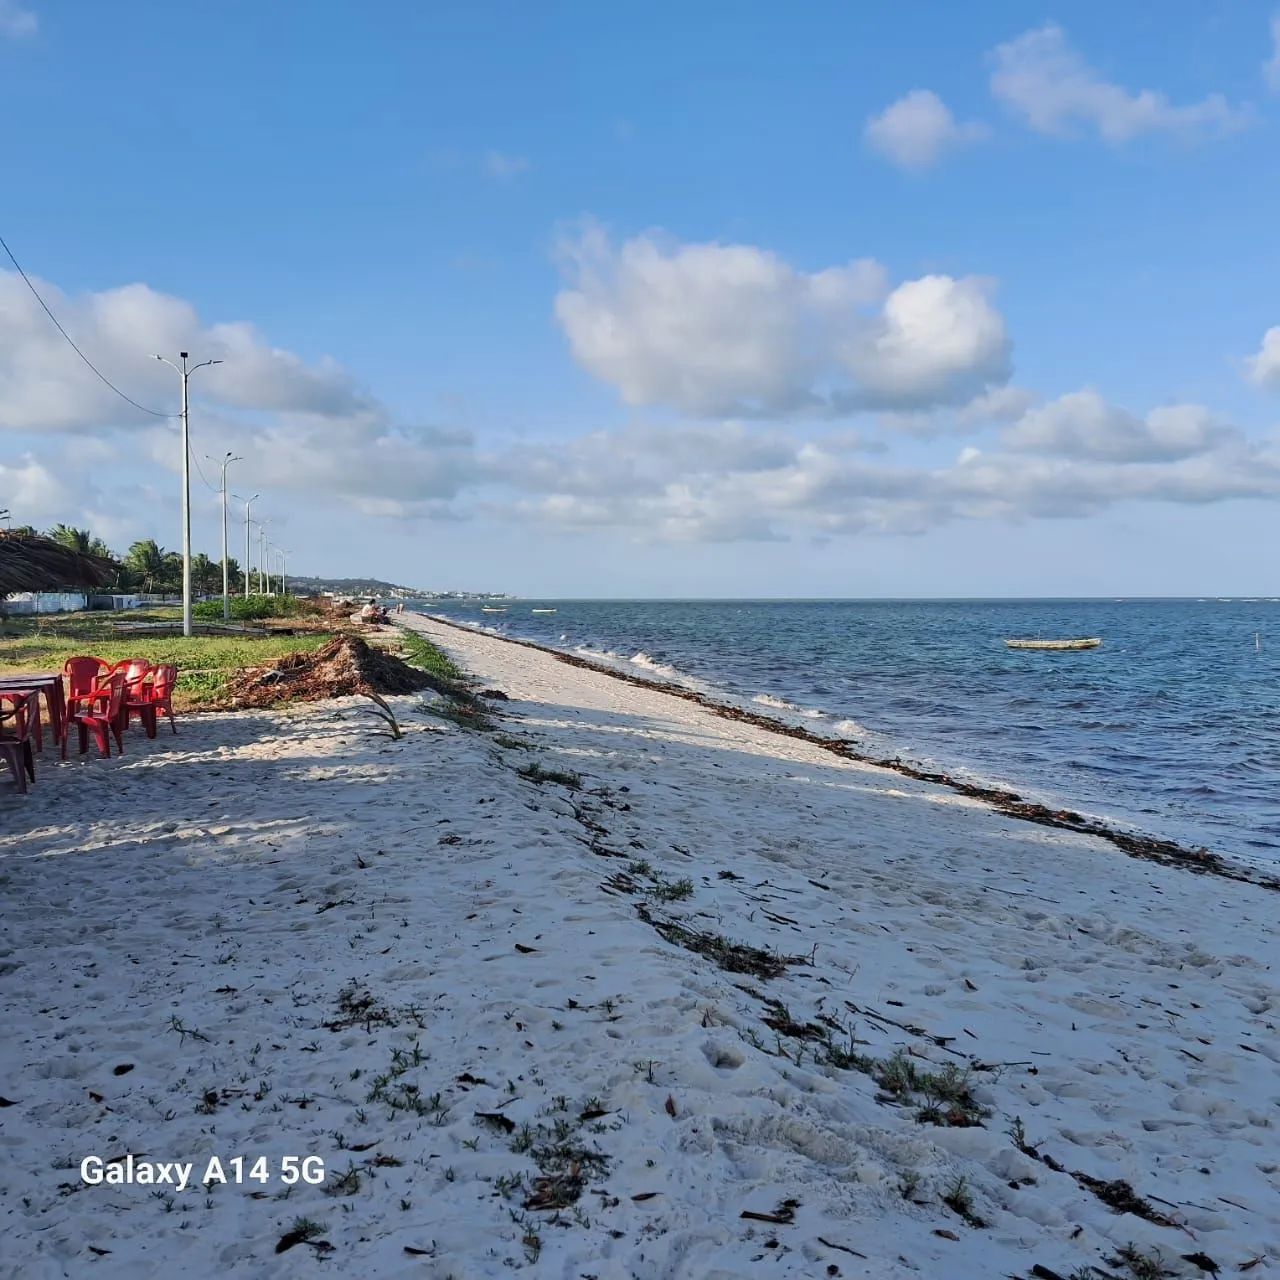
(1135, 844)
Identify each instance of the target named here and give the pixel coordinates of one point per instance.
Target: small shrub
(1141, 1266)
(959, 1200)
(253, 608)
(671, 890)
(534, 772)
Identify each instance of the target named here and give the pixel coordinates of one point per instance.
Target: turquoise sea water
(1171, 727)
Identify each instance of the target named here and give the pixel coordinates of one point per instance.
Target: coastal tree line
(146, 566)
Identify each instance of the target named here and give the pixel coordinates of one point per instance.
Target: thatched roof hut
(32, 563)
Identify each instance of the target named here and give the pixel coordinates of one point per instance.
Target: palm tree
(80, 541)
(206, 575)
(171, 576)
(148, 562)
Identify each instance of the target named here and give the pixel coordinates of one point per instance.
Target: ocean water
(1172, 727)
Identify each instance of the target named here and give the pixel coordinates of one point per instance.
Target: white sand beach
(472, 994)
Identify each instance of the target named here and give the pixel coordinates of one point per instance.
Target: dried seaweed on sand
(345, 666)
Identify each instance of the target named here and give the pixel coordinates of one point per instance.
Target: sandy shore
(944, 1040)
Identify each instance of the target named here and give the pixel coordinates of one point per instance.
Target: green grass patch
(420, 652)
(204, 662)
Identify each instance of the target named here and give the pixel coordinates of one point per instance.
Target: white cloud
(398, 465)
(1085, 426)
(33, 491)
(79, 489)
(17, 22)
(640, 458)
(375, 467)
(1271, 68)
(45, 387)
(309, 436)
(937, 341)
(1044, 80)
(255, 375)
(709, 482)
(917, 130)
(709, 328)
(1264, 368)
(1078, 457)
(300, 426)
(1011, 486)
(1000, 404)
(824, 494)
(715, 329)
(503, 167)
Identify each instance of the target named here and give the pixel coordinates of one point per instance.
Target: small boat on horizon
(488, 608)
(1088, 642)
(542, 611)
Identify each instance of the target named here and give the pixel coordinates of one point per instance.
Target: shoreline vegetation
(267, 662)
(206, 662)
(1135, 845)
(564, 971)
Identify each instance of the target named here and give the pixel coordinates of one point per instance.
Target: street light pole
(226, 576)
(262, 556)
(248, 502)
(184, 373)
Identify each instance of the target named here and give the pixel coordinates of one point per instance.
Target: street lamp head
(182, 355)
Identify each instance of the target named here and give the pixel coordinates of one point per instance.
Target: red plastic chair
(157, 696)
(82, 679)
(136, 672)
(15, 748)
(108, 699)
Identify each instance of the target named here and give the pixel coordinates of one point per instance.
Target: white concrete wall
(45, 602)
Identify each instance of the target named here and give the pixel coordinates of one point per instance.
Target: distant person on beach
(400, 607)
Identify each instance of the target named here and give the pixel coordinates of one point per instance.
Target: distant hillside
(377, 587)
(349, 587)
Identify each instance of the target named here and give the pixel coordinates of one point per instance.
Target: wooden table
(48, 684)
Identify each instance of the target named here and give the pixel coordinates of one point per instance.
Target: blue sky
(559, 299)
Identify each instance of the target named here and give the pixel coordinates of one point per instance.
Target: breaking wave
(644, 661)
(781, 704)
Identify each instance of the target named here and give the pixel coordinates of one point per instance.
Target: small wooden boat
(542, 611)
(1090, 642)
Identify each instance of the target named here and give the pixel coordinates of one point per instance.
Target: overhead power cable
(102, 377)
(213, 488)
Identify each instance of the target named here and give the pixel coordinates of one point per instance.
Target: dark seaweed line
(1149, 848)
